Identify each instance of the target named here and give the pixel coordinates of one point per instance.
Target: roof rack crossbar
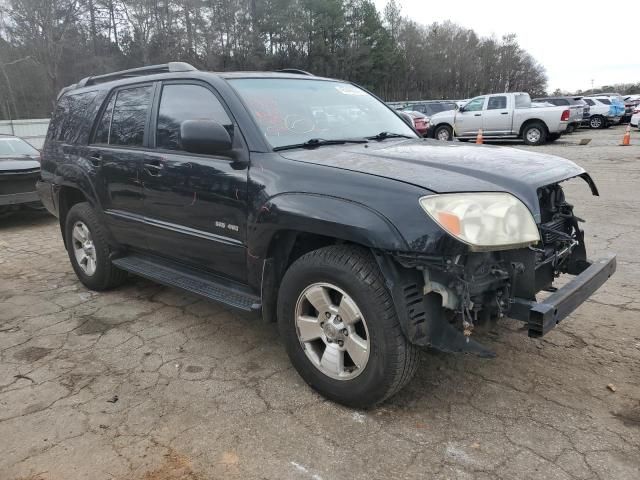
(297, 71)
(136, 72)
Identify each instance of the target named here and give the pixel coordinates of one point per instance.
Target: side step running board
(212, 287)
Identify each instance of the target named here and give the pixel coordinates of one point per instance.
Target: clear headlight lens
(483, 220)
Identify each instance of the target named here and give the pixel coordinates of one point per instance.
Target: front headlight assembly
(484, 221)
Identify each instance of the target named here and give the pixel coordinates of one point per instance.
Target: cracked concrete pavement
(145, 382)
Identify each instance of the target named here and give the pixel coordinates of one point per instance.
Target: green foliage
(47, 44)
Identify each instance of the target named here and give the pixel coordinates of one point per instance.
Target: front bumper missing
(543, 316)
(19, 198)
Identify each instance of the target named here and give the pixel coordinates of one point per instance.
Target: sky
(576, 41)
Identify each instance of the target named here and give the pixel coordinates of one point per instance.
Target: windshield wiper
(385, 135)
(320, 142)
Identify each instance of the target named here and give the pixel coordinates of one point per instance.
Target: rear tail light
(565, 116)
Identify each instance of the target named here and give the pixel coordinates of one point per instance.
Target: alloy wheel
(83, 248)
(332, 331)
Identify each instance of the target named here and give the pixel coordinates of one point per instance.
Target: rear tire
(596, 121)
(89, 250)
(348, 275)
(534, 134)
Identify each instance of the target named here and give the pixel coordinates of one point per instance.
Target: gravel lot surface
(145, 382)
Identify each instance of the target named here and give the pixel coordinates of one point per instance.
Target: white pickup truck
(502, 115)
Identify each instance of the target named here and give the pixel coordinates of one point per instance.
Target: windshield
(15, 146)
(292, 111)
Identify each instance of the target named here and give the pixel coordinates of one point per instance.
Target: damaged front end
(441, 299)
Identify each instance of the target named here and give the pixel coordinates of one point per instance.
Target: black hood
(448, 167)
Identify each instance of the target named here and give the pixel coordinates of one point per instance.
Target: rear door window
(497, 103)
(104, 125)
(124, 119)
(522, 100)
(129, 116)
(180, 102)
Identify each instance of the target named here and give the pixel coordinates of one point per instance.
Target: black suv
(310, 201)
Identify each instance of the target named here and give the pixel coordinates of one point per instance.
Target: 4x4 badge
(227, 226)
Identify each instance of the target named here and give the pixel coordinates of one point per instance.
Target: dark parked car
(364, 241)
(631, 102)
(19, 171)
(431, 107)
(586, 110)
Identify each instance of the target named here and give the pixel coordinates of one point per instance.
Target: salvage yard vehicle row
(362, 240)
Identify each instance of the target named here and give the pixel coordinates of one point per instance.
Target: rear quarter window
(73, 117)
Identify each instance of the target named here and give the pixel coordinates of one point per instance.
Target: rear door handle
(95, 158)
(504, 113)
(154, 167)
(477, 114)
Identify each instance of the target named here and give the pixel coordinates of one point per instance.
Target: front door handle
(154, 167)
(477, 114)
(504, 113)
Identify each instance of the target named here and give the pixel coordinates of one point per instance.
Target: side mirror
(204, 136)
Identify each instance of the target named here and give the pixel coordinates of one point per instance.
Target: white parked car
(600, 112)
(501, 116)
(635, 118)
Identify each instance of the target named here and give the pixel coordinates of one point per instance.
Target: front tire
(534, 134)
(89, 250)
(340, 327)
(444, 133)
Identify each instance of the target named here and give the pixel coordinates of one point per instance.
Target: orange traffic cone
(479, 139)
(626, 140)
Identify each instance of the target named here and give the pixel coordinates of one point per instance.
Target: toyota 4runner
(310, 201)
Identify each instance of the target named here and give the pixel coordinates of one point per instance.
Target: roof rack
(297, 71)
(137, 72)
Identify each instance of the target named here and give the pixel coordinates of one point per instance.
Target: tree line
(621, 88)
(48, 44)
